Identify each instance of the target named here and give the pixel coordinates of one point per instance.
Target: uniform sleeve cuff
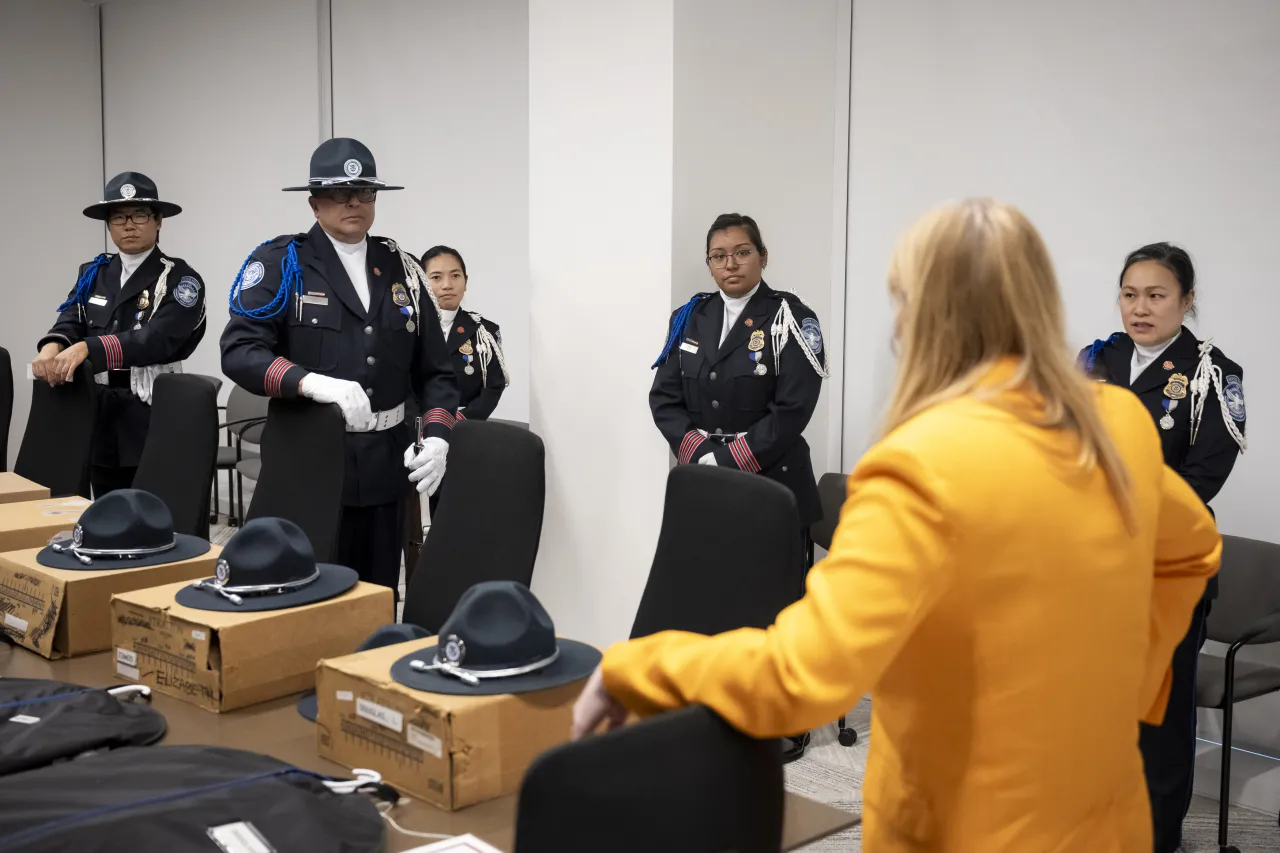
(104, 353)
(742, 456)
(690, 447)
(282, 378)
(460, 416)
(437, 423)
(53, 339)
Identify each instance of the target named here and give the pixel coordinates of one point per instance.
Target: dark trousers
(105, 479)
(369, 541)
(1169, 750)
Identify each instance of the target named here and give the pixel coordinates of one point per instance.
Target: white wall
(1111, 125)
(447, 117)
(219, 104)
(755, 114)
(53, 161)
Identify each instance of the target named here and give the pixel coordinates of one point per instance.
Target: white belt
(384, 420)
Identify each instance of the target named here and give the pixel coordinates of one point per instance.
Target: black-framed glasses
(366, 195)
(717, 260)
(138, 217)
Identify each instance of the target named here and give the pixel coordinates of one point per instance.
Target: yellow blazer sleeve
(1188, 552)
(887, 566)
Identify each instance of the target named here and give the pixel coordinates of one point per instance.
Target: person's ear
(315, 205)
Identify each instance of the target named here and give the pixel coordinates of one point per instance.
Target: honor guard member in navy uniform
(740, 374)
(474, 342)
(341, 317)
(132, 316)
(1196, 396)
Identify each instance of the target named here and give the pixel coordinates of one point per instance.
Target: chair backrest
(215, 381)
(682, 782)
(303, 462)
(1248, 590)
(521, 424)
(181, 452)
(831, 492)
(6, 406)
(59, 436)
(707, 575)
(488, 521)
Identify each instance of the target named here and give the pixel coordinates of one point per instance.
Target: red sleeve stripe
(692, 441)
(275, 375)
(440, 416)
(743, 456)
(115, 354)
(460, 416)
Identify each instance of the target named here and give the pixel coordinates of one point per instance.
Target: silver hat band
(128, 200)
(84, 555)
(234, 593)
(474, 676)
(345, 179)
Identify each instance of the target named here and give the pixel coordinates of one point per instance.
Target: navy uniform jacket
(477, 397)
(703, 386)
(121, 333)
(335, 336)
(1206, 464)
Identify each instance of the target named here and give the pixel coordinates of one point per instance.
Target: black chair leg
(240, 502)
(846, 735)
(1224, 789)
(213, 513)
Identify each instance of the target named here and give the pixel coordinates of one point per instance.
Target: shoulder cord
(416, 279)
(785, 325)
(162, 288)
(486, 347)
(290, 283)
(1207, 372)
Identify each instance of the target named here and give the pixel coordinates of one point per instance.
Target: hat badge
(353, 168)
(221, 573)
(77, 536)
(127, 191)
(454, 649)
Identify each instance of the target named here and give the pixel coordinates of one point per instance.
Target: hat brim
(309, 705)
(333, 582)
(576, 662)
(356, 184)
(185, 548)
(102, 210)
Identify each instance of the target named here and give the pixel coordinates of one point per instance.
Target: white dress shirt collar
(733, 307)
(352, 256)
(129, 263)
(1144, 355)
(446, 320)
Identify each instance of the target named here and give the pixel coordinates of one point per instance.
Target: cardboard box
(60, 613)
(31, 524)
(451, 751)
(221, 660)
(15, 488)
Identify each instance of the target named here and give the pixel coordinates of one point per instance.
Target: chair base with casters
(846, 735)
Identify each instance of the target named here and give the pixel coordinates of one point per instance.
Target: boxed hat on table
(57, 599)
(456, 720)
(252, 632)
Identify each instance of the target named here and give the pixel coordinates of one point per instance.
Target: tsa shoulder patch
(1233, 394)
(252, 275)
(187, 293)
(812, 334)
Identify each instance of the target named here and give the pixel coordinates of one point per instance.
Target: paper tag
(376, 713)
(130, 672)
(460, 844)
(688, 347)
(15, 622)
(425, 740)
(97, 299)
(242, 837)
(24, 719)
(126, 656)
(344, 695)
(198, 635)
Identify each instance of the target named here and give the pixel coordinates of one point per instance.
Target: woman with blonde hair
(1012, 570)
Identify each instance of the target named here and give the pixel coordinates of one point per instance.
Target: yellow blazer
(1009, 628)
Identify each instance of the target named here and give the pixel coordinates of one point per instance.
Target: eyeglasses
(366, 195)
(717, 260)
(138, 217)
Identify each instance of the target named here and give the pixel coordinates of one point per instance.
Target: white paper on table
(461, 844)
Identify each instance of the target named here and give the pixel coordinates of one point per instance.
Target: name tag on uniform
(97, 300)
(315, 299)
(688, 347)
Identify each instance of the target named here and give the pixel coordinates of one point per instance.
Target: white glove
(349, 396)
(426, 467)
(709, 459)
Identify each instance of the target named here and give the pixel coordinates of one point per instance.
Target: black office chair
(488, 521)
(1246, 613)
(177, 462)
(6, 406)
(681, 782)
(59, 436)
(831, 492)
(303, 462)
(246, 414)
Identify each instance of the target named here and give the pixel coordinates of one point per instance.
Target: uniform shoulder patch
(253, 274)
(1233, 395)
(187, 291)
(812, 334)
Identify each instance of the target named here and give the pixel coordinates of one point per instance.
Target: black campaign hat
(267, 565)
(130, 188)
(124, 529)
(499, 639)
(387, 635)
(342, 162)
